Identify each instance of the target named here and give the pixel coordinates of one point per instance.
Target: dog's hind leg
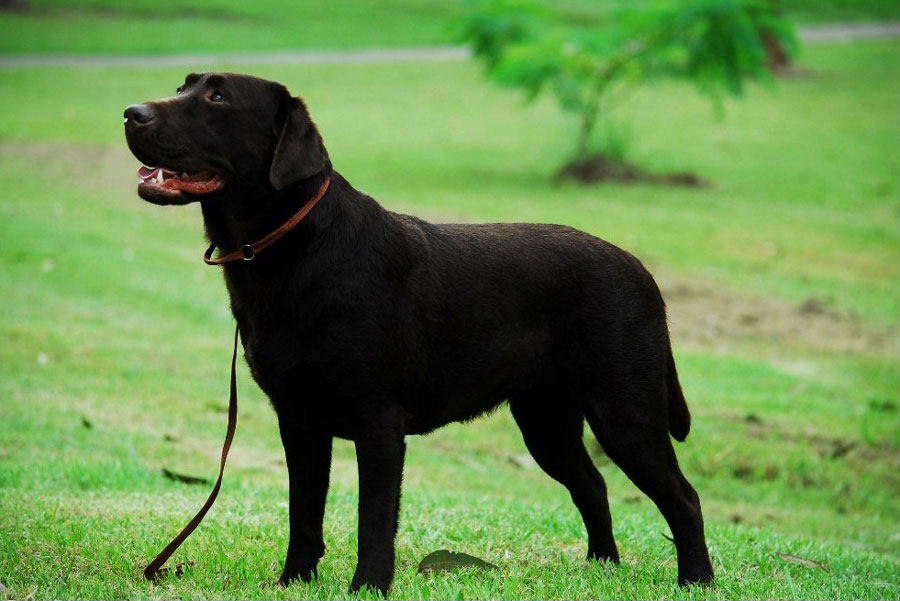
(553, 435)
(632, 426)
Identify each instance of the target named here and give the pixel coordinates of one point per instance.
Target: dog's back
(506, 308)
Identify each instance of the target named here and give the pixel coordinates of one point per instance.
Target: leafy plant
(714, 44)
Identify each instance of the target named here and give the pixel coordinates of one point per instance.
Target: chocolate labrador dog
(368, 325)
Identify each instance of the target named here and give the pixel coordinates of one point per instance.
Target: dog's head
(218, 137)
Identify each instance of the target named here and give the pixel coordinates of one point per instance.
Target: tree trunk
(589, 115)
(777, 60)
(14, 5)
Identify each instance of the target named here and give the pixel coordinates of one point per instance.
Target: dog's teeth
(159, 178)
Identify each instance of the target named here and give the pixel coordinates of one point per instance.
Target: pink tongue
(148, 174)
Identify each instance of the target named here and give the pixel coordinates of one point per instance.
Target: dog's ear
(300, 152)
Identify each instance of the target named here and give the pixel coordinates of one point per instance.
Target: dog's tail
(679, 416)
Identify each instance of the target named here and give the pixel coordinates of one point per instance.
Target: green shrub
(714, 44)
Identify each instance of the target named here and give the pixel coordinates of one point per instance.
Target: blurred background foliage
(714, 44)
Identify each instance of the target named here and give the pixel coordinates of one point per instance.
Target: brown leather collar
(249, 251)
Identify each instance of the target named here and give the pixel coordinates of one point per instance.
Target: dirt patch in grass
(83, 163)
(599, 168)
(717, 318)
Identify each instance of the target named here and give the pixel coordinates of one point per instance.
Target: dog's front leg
(308, 456)
(379, 455)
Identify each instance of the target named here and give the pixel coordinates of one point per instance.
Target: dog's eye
(216, 96)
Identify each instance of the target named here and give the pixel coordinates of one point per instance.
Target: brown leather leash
(247, 253)
(153, 569)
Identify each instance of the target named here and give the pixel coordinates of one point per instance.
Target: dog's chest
(271, 326)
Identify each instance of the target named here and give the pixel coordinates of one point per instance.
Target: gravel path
(285, 57)
(840, 32)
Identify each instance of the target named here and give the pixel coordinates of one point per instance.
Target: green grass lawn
(148, 26)
(781, 279)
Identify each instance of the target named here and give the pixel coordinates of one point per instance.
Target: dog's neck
(241, 221)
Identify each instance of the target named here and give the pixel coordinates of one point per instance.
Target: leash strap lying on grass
(154, 568)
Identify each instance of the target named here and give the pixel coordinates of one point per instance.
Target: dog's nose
(139, 114)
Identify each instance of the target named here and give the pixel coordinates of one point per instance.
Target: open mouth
(162, 185)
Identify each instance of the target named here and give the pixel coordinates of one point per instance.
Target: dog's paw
(699, 579)
(373, 582)
(605, 553)
(293, 575)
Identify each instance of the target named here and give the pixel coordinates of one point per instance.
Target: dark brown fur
(369, 325)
